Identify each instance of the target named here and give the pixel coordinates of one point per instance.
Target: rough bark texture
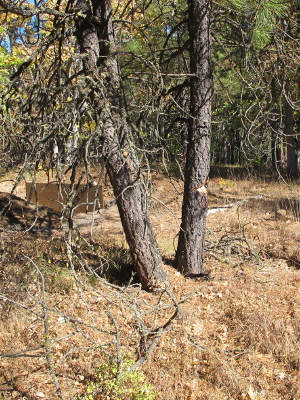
(96, 39)
(190, 251)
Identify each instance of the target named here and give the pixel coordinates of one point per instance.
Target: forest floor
(233, 335)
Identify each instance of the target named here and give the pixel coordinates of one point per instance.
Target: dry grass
(236, 337)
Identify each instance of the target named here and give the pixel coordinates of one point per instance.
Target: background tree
(255, 54)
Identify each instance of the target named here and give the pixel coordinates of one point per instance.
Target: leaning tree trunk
(95, 36)
(190, 251)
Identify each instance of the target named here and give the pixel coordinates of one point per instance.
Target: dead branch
(231, 205)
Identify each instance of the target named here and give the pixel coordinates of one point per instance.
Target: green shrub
(108, 384)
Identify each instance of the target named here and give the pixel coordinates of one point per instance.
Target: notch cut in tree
(190, 251)
(96, 40)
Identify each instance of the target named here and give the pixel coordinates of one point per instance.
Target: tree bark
(95, 36)
(291, 159)
(274, 125)
(190, 251)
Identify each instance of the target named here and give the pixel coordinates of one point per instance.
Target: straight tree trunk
(298, 146)
(95, 36)
(291, 159)
(190, 251)
(274, 125)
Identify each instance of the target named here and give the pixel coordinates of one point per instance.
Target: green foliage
(237, 4)
(118, 384)
(260, 17)
(12, 55)
(266, 17)
(7, 63)
(133, 46)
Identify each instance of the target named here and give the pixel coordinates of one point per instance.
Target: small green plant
(109, 382)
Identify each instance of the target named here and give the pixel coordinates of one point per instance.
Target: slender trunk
(96, 39)
(298, 145)
(190, 251)
(291, 160)
(274, 125)
(275, 156)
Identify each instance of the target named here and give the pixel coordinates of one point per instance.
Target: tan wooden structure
(51, 195)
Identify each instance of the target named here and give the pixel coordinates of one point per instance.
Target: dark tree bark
(274, 124)
(190, 251)
(95, 36)
(291, 159)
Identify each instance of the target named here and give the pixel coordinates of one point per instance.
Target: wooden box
(54, 196)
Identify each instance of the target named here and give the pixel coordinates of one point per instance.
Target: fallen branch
(236, 204)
